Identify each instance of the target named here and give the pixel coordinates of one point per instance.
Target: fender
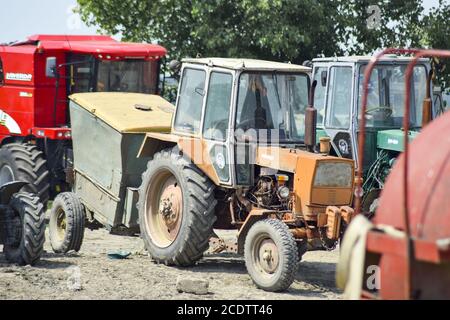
(194, 148)
(11, 124)
(9, 189)
(155, 142)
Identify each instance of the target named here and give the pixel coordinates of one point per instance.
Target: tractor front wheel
(25, 229)
(67, 220)
(271, 255)
(176, 209)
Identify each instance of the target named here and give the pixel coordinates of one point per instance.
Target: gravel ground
(90, 274)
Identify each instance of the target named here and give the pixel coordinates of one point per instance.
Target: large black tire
(25, 229)
(278, 272)
(25, 162)
(67, 221)
(195, 225)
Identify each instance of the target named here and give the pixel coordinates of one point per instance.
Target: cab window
(218, 106)
(190, 101)
(137, 76)
(319, 93)
(80, 69)
(339, 99)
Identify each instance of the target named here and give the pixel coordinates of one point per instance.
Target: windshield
(273, 103)
(386, 96)
(136, 76)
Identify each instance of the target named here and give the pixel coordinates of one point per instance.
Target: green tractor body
(338, 98)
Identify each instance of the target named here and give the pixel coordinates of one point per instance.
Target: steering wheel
(254, 120)
(387, 110)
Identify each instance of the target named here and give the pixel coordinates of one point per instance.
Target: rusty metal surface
(415, 200)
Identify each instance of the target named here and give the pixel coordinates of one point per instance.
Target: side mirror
(50, 67)
(174, 65)
(323, 78)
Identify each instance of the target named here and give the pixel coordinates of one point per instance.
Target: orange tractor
(235, 153)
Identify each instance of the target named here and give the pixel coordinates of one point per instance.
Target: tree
(436, 34)
(371, 25)
(285, 30)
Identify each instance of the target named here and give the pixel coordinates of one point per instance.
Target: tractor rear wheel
(67, 221)
(25, 162)
(271, 255)
(176, 209)
(25, 229)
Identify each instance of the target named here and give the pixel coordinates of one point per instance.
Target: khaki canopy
(128, 112)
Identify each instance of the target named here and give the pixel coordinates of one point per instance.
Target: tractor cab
(88, 73)
(234, 104)
(338, 99)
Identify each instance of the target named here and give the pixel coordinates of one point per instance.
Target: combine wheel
(176, 209)
(271, 255)
(25, 229)
(24, 162)
(67, 220)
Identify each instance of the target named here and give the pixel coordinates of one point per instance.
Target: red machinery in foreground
(404, 253)
(37, 76)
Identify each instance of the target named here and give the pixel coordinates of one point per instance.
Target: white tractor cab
(338, 97)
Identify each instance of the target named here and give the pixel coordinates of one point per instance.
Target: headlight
(220, 160)
(283, 192)
(333, 174)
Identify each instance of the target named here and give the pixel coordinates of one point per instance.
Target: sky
(22, 18)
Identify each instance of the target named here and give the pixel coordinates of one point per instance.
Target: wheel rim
(265, 255)
(164, 209)
(6, 174)
(61, 224)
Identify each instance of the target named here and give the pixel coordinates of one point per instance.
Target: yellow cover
(128, 112)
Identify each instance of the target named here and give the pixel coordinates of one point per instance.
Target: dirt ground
(90, 274)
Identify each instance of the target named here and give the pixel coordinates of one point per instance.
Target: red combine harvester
(404, 253)
(37, 76)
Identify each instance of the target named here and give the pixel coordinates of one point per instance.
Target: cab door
(338, 122)
(216, 123)
(320, 74)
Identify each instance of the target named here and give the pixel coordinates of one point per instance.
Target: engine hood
(318, 178)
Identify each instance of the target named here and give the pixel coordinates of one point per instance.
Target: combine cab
(37, 76)
(338, 98)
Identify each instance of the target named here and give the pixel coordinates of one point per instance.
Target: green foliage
(397, 24)
(436, 34)
(283, 30)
